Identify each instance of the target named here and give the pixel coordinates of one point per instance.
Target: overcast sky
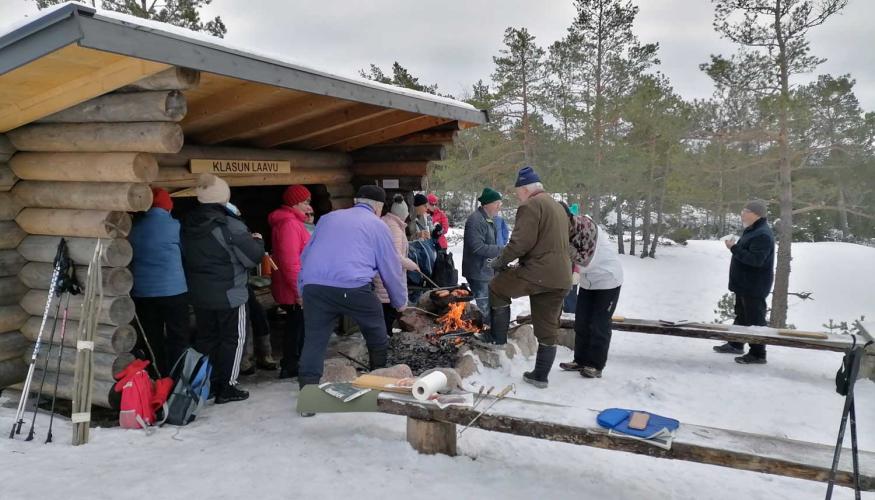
(451, 43)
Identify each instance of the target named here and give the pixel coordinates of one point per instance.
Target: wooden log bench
(432, 430)
(726, 333)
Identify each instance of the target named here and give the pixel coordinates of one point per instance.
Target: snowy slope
(261, 449)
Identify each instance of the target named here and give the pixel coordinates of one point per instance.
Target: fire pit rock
(524, 338)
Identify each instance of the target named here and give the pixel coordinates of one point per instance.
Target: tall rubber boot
(500, 324)
(543, 363)
(378, 358)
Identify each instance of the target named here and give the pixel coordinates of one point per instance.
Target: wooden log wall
(77, 175)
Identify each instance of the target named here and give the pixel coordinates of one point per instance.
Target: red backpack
(141, 398)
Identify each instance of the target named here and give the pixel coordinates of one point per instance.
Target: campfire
(457, 322)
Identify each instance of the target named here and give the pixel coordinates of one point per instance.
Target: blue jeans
(323, 305)
(480, 289)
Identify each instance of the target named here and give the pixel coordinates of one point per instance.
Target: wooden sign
(240, 167)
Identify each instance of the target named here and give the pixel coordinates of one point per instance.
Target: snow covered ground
(262, 449)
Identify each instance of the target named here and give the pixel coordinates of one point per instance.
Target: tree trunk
(12, 317)
(843, 212)
(115, 310)
(9, 206)
(621, 246)
(10, 235)
(11, 263)
(107, 338)
(634, 211)
(160, 106)
(142, 137)
(659, 215)
(174, 78)
(86, 167)
(7, 177)
(38, 248)
(778, 318)
(116, 280)
(81, 223)
(116, 196)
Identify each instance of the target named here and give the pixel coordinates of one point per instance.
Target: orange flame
(452, 321)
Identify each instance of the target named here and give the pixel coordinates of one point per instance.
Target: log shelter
(96, 107)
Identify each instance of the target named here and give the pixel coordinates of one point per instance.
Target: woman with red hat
(160, 291)
(438, 216)
(289, 236)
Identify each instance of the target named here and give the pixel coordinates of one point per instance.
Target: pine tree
(519, 75)
(614, 58)
(182, 13)
(775, 31)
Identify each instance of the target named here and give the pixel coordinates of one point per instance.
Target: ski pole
(58, 370)
(19, 413)
(42, 382)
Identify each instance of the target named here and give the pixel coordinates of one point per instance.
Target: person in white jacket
(601, 276)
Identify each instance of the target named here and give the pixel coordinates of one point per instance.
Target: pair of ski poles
(63, 282)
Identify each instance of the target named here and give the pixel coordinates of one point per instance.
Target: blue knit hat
(526, 176)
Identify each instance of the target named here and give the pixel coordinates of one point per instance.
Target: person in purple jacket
(348, 248)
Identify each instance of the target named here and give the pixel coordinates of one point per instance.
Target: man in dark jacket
(217, 251)
(480, 247)
(540, 243)
(751, 274)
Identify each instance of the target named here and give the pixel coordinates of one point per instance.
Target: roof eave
(44, 35)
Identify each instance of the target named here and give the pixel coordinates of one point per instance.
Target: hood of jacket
(203, 218)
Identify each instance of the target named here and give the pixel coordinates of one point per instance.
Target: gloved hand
(497, 265)
(437, 231)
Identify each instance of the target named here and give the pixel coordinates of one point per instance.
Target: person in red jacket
(289, 236)
(438, 216)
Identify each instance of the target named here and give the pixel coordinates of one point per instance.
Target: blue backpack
(191, 374)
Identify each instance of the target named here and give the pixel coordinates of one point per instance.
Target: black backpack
(445, 272)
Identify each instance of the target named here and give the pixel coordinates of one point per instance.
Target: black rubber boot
(543, 363)
(500, 324)
(378, 358)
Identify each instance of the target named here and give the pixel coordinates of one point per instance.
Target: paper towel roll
(427, 386)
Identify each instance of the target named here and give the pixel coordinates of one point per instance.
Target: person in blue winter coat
(160, 292)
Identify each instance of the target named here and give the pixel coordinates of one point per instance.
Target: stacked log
(77, 175)
(341, 195)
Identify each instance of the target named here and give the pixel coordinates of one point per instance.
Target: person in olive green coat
(540, 243)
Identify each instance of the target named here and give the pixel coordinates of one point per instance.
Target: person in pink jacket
(289, 236)
(396, 219)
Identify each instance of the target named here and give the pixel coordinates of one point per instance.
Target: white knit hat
(212, 189)
(400, 209)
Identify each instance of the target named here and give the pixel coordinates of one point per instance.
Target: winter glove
(496, 264)
(437, 231)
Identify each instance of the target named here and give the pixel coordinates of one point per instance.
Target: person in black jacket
(751, 274)
(217, 251)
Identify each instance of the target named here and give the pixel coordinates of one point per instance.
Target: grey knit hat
(759, 207)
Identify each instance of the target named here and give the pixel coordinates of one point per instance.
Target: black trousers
(323, 305)
(390, 314)
(221, 334)
(293, 341)
(257, 316)
(750, 311)
(165, 323)
(592, 326)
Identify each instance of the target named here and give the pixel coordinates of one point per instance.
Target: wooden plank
(289, 112)
(694, 443)
(391, 169)
(727, 333)
(360, 128)
(41, 101)
(180, 177)
(296, 159)
(323, 124)
(400, 153)
(208, 110)
(427, 137)
(388, 133)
